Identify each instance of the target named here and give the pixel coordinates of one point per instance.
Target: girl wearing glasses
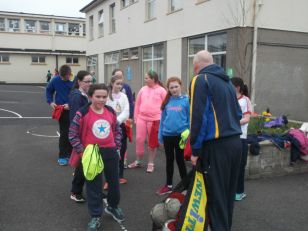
(77, 99)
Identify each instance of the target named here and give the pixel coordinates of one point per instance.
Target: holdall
(187, 150)
(92, 162)
(56, 114)
(192, 215)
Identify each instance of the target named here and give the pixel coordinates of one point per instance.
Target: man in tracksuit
(215, 137)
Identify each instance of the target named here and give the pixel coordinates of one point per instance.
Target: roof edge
(90, 6)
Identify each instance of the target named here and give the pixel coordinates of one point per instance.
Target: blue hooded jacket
(174, 118)
(214, 109)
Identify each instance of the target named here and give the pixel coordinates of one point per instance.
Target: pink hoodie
(148, 103)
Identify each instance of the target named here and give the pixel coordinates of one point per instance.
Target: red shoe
(163, 190)
(106, 186)
(122, 181)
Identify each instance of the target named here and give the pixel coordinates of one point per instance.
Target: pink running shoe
(135, 164)
(150, 168)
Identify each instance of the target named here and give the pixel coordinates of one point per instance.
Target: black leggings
(65, 147)
(172, 148)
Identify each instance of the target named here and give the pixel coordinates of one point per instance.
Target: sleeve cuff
(197, 152)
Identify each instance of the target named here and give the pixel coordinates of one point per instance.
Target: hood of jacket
(215, 70)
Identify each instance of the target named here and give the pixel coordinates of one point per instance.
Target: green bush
(256, 125)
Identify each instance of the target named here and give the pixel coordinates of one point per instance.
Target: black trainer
(78, 198)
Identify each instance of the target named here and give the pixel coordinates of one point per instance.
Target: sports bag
(192, 215)
(92, 162)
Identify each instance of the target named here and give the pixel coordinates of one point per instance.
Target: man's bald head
(201, 60)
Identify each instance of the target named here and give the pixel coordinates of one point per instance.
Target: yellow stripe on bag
(195, 214)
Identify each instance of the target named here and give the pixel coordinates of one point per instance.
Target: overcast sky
(54, 7)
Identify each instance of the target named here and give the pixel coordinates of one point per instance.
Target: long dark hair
(167, 98)
(112, 81)
(153, 75)
(94, 87)
(238, 82)
(80, 76)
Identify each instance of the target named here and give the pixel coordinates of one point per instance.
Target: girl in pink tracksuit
(147, 115)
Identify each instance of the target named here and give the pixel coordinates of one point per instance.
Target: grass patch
(256, 125)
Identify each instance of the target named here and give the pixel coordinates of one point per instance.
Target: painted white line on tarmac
(29, 131)
(7, 117)
(30, 92)
(42, 87)
(15, 113)
(8, 102)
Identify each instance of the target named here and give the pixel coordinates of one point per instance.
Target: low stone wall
(272, 162)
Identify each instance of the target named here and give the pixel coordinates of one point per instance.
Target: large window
(36, 59)
(2, 24)
(44, 27)
(4, 58)
(72, 60)
(112, 18)
(111, 62)
(61, 28)
(216, 44)
(13, 25)
(153, 59)
(175, 5)
(101, 23)
(30, 26)
(150, 9)
(92, 64)
(73, 29)
(91, 23)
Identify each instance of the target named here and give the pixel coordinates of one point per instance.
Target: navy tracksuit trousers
(221, 160)
(95, 187)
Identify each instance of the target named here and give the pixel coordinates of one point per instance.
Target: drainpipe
(257, 5)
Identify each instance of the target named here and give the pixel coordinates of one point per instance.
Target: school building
(32, 44)
(265, 42)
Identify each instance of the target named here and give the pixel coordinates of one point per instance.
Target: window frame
(33, 28)
(112, 20)
(172, 3)
(101, 23)
(1, 58)
(91, 27)
(41, 59)
(61, 32)
(3, 25)
(40, 27)
(71, 58)
(205, 47)
(150, 14)
(73, 33)
(13, 29)
(154, 60)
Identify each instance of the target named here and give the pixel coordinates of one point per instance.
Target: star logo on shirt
(101, 129)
